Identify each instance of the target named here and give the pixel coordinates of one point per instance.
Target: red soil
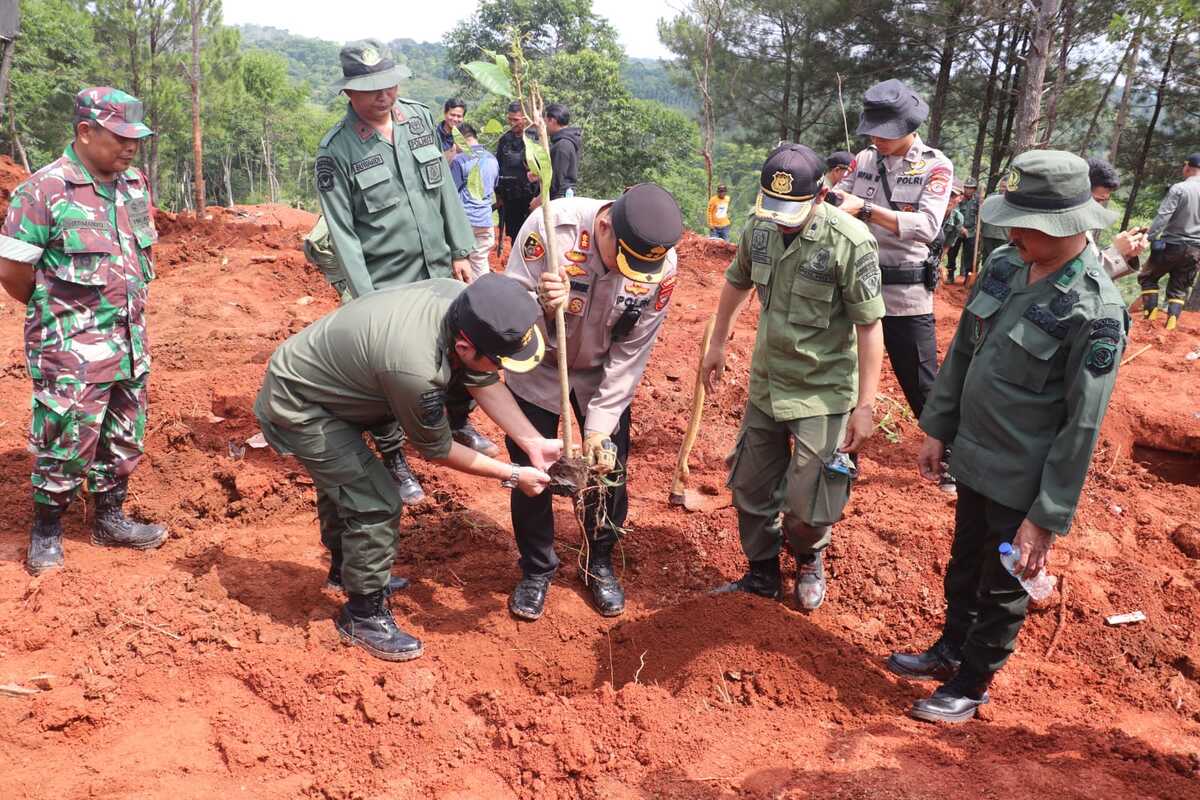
(211, 667)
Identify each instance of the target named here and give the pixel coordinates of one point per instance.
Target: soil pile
(211, 666)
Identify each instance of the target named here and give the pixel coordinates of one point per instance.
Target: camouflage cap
(113, 110)
(1048, 191)
(367, 66)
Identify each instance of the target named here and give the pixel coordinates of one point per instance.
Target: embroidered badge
(416, 126)
(818, 268)
(581, 286)
(585, 241)
(325, 170)
(532, 248)
(433, 407)
(420, 141)
(1106, 328)
(1102, 357)
(781, 183)
(636, 288)
(918, 168)
(1040, 316)
(1062, 305)
(433, 171)
(665, 290)
(993, 286)
(575, 306)
(760, 241)
(866, 268)
(939, 181)
(373, 160)
(576, 257)
(1014, 180)
(574, 270)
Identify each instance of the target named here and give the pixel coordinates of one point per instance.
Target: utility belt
(924, 272)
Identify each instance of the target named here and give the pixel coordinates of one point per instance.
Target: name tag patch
(374, 160)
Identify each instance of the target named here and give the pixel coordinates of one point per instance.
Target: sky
(636, 21)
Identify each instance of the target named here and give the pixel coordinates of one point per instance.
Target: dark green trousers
(357, 504)
(985, 605)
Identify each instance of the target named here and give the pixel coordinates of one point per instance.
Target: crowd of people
(843, 253)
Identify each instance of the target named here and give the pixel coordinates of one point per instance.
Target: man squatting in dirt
(1020, 395)
(616, 286)
(75, 249)
(393, 214)
(396, 354)
(812, 389)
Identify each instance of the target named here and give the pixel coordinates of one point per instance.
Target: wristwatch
(511, 481)
(864, 213)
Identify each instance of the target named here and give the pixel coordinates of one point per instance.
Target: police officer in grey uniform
(900, 187)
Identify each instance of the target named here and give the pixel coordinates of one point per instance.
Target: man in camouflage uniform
(952, 229)
(816, 271)
(964, 248)
(75, 247)
(393, 212)
(1021, 394)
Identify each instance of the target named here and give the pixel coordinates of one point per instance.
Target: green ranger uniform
(962, 248)
(374, 359)
(1020, 398)
(393, 213)
(951, 228)
(990, 237)
(804, 372)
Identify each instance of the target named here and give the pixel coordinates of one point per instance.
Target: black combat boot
(334, 579)
(957, 699)
(45, 539)
(113, 529)
(367, 621)
(467, 436)
(407, 487)
(763, 579)
(529, 598)
(938, 663)
(607, 594)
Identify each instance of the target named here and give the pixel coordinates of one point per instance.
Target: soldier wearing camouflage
(77, 243)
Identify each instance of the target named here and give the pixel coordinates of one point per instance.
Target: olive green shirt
(1026, 381)
(969, 209)
(813, 292)
(382, 356)
(393, 213)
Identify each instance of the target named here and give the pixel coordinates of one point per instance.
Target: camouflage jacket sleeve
(1096, 350)
(335, 184)
(627, 359)
(26, 230)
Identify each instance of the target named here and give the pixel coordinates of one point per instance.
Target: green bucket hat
(1048, 191)
(367, 66)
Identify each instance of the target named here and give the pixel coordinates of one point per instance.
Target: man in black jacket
(565, 146)
(514, 189)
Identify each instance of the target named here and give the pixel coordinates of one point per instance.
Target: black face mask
(629, 317)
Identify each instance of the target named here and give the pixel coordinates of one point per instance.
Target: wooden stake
(1135, 355)
(678, 481)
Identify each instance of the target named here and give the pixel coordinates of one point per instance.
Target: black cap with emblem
(499, 317)
(647, 223)
(891, 110)
(790, 179)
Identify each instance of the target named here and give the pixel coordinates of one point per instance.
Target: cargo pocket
(734, 458)
(830, 496)
(54, 429)
(810, 303)
(431, 164)
(89, 252)
(358, 483)
(377, 190)
(1030, 356)
(760, 273)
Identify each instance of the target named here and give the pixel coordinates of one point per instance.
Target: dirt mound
(11, 175)
(211, 666)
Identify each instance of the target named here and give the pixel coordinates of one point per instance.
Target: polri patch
(326, 167)
(373, 160)
(532, 248)
(665, 290)
(433, 407)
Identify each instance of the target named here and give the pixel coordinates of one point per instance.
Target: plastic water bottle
(1040, 586)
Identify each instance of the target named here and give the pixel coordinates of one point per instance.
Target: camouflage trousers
(92, 430)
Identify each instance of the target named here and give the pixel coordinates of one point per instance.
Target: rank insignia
(575, 307)
(574, 270)
(665, 289)
(781, 183)
(576, 257)
(636, 288)
(532, 248)
(585, 240)
(917, 168)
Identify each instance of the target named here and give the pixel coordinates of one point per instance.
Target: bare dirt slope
(211, 667)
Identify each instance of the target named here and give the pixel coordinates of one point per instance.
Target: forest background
(1113, 78)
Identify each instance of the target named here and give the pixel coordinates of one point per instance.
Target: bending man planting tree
(813, 376)
(397, 354)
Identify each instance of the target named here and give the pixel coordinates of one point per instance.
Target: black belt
(905, 274)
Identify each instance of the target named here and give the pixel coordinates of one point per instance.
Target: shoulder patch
(326, 168)
(760, 245)
(1107, 328)
(665, 290)
(867, 274)
(1101, 357)
(433, 407)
